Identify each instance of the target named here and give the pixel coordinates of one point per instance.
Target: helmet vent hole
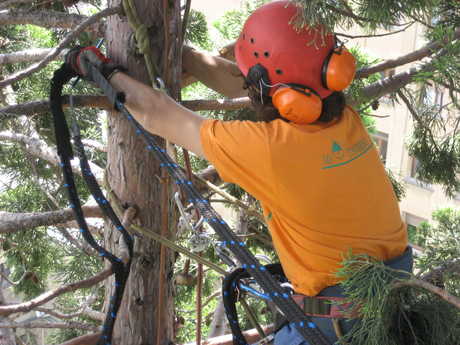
(266, 54)
(278, 71)
(252, 40)
(256, 54)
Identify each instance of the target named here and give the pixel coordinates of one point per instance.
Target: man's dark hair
(333, 106)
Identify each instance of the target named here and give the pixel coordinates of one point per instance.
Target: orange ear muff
(339, 69)
(299, 106)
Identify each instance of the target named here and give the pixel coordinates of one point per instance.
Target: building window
(412, 176)
(413, 222)
(433, 95)
(381, 141)
(414, 166)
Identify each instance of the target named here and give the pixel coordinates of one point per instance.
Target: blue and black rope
(65, 152)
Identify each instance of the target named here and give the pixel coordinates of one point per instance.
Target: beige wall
(421, 200)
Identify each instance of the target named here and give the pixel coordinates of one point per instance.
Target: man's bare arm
(160, 114)
(215, 72)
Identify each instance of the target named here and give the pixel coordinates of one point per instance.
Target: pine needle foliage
(368, 14)
(393, 315)
(435, 143)
(441, 242)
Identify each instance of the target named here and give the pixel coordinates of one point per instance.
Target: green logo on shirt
(340, 155)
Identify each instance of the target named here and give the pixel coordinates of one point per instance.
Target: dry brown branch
(55, 52)
(375, 35)
(6, 310)
(13, 222)
(435, 275)
(92, 314)
(46, 19)
(217, 104)
(391, 84)
(416, 55)
(38, 107)
(39, 148)
(87, 339)
(39, 324)
(417, 283)
(251, 337)
(29, 55)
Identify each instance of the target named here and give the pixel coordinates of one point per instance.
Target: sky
(213, 9)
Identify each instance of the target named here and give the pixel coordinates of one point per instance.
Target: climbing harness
(120, 267)
(232, 287)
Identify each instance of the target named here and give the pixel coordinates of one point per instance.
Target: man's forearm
(215, 72)
(160, 114)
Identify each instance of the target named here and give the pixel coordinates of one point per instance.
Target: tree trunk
(133, 175)
(6, 334)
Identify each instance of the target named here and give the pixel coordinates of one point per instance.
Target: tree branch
(14, 222)
(86, 311)
(40, 149)
(217, 104)
(55, 52)
(416, 55)
(60, 325)
(435, 275)
(45, 19)
(37, 107)
(389, 85)
(29, 55)
(375, 35)
(429, 287)
(6, 310)
(8, 3)
(87, 339)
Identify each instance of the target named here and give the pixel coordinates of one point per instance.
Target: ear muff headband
(299, 105)
(338, 70)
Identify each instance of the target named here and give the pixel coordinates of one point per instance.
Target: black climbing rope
(64, 148)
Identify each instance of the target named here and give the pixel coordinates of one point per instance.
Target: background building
(394, 129)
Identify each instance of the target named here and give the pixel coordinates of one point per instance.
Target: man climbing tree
(244, 152)
(295, 80)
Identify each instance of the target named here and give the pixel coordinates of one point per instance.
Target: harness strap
(328, 307)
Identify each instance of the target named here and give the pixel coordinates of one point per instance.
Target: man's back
(323, 189)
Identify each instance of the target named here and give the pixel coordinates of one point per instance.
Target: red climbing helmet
(289, 55)
(271, 51)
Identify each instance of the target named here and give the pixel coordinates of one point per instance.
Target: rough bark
(131, 172)
(6, 335)
(13, 222)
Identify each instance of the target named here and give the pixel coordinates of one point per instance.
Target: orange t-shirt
(323, 189)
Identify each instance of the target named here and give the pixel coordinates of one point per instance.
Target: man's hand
(79, 59)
